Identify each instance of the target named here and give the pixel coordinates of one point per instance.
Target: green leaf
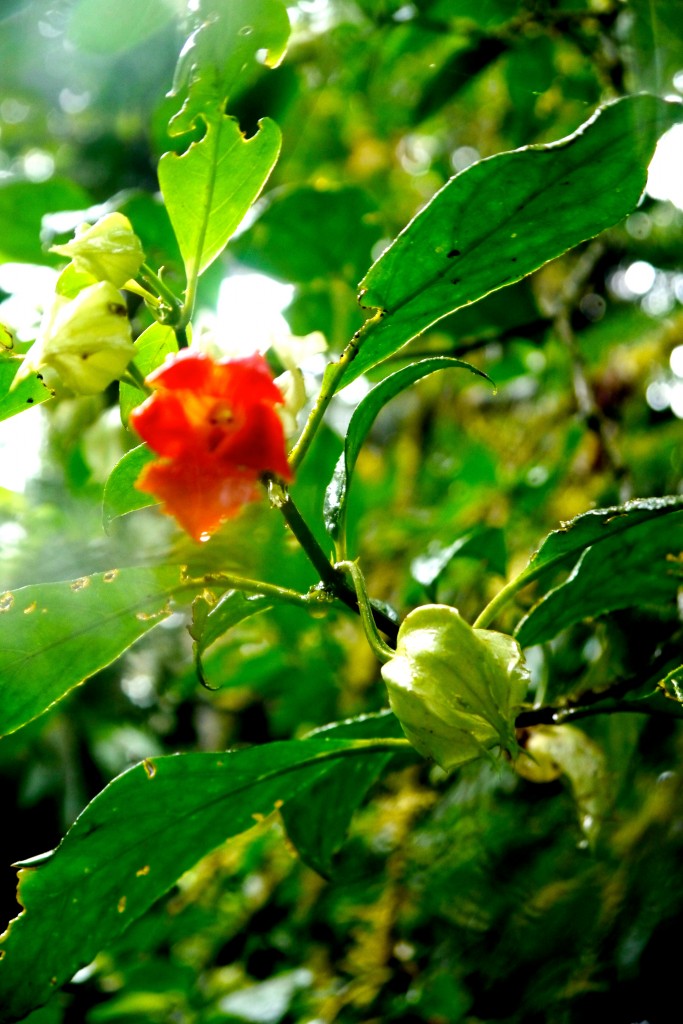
(230, 40)
(562, 547)
(53, 636)
(132, 843)
(364, 416)
(31, 391)
(23, 205)
(318, 818)
(504, 217)
(153, 345)
(209, 188)
(308, 234)
(210, 623)
(120, 494)
(640, 567)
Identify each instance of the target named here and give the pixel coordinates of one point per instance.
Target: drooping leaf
(363, 417)
(210, 623)
(318, 818)
(209, 188)
(153, 345)
(53, 636)
(504, 217)
(120, 494)
(31, 391)
(640, 568)
(132, 843)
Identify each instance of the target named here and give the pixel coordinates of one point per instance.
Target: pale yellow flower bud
(109, 250)
(87, 340)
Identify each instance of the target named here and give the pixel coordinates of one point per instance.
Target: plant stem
(136, 378)
(164, 292)
(331, 381)
(381, 650)
(331, 577)
(258, 587)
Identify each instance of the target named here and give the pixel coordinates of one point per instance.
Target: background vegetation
(480, 896)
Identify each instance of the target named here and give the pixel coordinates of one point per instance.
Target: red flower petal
(196, 495)
(217, 429)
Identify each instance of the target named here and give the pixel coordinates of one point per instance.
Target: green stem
(181, 337)
(503, 596)
(381, 650)
(331, 577)
(258, 587)
(331, 381)
(164, 292)
(136, 378)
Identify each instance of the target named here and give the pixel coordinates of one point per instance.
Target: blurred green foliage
(471, 898)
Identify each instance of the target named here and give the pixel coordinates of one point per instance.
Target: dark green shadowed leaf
(318, 819)
(504, 217)
(132, 843)
(53, 636)
(210, 623)
(639, 568)
(364, 416)
(31, 391)
(120, 493)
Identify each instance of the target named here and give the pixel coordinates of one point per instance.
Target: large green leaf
(132, 843)
(317, 819)
(504, 217)
(53, 636)
(640, 568)
(562, 547)
(364, 416)
(209, 188)
(120, 493)
(31, 391)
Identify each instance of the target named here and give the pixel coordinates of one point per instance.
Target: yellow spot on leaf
(31, 608)
(109, 577)
(80, 584)
(150, 768)
(6, 601)
(142, 871)
(121, 905)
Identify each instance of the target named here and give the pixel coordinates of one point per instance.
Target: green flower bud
(455, 690)
(108, 250)
(86, 340)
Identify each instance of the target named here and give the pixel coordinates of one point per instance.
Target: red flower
(216, 428)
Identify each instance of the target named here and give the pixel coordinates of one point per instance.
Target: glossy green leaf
(562, 547)
(120, 493)
(209, 188)
(638, 568)
(211, 622)
(53, 636)
(363, 417)
(505, 216)
(317, 819)
(153, 345)
(31, 391)
(132, 843)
